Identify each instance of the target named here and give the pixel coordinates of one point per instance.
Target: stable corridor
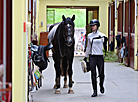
(121, 85)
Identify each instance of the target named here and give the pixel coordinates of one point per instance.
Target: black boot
(101, 85)
(94, 94)
(102, 89)
(94, 84)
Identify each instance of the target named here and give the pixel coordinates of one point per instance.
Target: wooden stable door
(8, 38)
(1, 32)
(111, 27)
(130, 32)
(44, 40)
(91, 13)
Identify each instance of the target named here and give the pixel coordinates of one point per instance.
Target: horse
(63, 51)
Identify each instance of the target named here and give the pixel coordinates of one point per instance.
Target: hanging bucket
(37, 74)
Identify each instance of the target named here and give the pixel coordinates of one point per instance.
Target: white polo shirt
(97, 44)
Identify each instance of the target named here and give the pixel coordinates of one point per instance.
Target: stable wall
(19, 51)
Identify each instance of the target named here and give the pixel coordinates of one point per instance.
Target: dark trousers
(96, 60)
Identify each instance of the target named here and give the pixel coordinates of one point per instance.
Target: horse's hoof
(57, 91)
(55, 86)
(71, 91)
(65, 86)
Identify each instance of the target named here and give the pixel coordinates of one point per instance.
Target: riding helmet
(94, 22)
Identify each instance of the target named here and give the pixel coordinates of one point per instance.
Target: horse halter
(69, 36)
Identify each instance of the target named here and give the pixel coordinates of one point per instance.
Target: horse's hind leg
(55, 86)
(65, 82)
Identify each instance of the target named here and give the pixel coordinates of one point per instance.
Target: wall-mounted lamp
(41, 23)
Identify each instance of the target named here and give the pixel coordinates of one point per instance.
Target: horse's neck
(61, 41)
(60, 34)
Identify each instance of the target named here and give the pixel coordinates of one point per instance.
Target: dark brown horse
(63, 51)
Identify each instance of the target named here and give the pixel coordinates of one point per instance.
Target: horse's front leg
(70, 81)
(56, 59)
(64, 68)
(58, 72)
(57, 91)
(70, 72)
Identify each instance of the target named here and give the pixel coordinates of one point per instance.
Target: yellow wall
(19, 57)
(103, 17)
(103, 11)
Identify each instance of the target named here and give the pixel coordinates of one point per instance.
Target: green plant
(54, 15)
(110, 56)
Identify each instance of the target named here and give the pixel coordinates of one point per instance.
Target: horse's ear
(63, 17)
(73, 18)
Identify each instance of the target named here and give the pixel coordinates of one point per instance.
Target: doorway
(91, 13)
(82, 31)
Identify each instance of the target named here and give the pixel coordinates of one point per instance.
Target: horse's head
(68, 32)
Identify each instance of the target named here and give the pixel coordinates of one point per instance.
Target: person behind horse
(95, 52)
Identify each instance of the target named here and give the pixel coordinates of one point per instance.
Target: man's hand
(85, 59)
